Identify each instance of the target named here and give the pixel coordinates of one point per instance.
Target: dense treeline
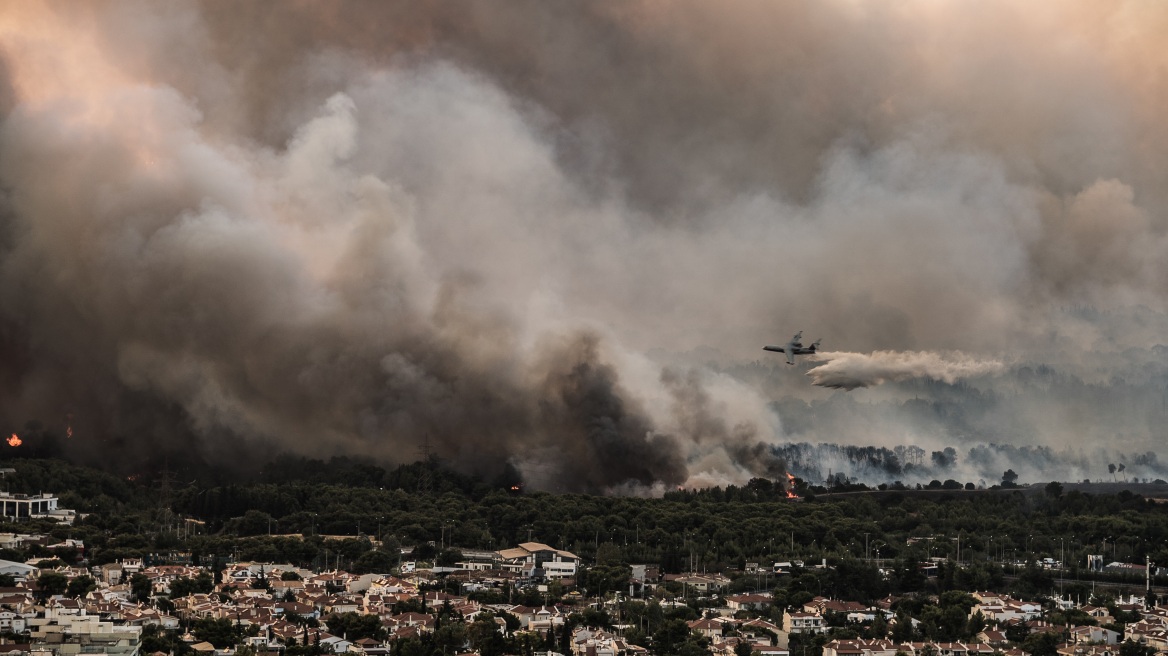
(423, 504)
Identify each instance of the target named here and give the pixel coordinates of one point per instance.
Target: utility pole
(1062, 564)
(165, 484)
(427, 454)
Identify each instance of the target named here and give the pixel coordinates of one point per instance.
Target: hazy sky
(554, 234)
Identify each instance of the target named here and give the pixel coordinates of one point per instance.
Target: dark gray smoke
(601, 438)
(722, 452)
(360, 228)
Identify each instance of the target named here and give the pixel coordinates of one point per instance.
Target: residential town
(128, 607)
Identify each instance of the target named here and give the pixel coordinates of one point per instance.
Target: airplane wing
(791, 357)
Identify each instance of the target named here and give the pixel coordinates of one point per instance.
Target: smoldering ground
(355, 227)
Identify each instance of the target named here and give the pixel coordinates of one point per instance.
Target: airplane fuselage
(793, 348)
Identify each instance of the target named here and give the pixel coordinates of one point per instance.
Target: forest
(340, 511)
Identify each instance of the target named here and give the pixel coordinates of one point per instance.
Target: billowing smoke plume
(849, 371)
(407, 269)
(555, 235)
(982, 464)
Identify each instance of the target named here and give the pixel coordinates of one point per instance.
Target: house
(863, 648)
(340, 605)
(764, 632)
(538, 560)
(296, 608)
(993, 638)
(707, 627)
(889, 648)
(703, 584)
(110, 573)
(18, 571)
(963, 649)
(1099, 613)
(10, 622)
(803, 622)
(420, 620)
(727, 646)
(536, 619)
(370, 647)
(1042, 626)
(1004, 609)
(1088, 650)
(337, 644)
(590, 642)
(29, 506)
(853, 611)
(1094, 634)
(1154, 635)
(545, 618)
(79, 633)
(280, 588)
(753, 601)
(131, 566)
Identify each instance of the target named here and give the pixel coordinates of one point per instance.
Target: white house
(535, 559)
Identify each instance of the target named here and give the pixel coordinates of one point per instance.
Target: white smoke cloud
(848, 371)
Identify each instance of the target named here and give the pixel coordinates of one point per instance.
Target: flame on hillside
(15, 440)
(791, 486)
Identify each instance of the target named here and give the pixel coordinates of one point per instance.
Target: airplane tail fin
(816, 344)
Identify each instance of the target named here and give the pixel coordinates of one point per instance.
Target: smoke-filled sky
(556, 234)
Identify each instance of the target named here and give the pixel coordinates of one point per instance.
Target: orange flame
(791, 486)
(68, 431)
(15, 440)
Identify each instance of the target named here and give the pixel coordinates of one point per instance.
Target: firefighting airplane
(794, 347)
